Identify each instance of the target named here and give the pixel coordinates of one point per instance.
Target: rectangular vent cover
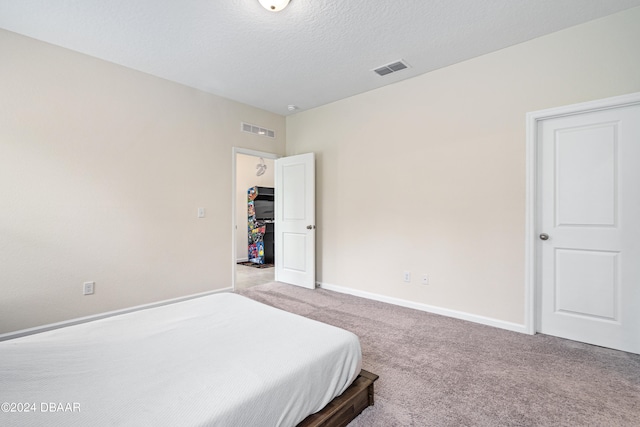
(391, 68)
(257, 130)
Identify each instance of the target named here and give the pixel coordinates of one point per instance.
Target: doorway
(584, 222)
(250, 168)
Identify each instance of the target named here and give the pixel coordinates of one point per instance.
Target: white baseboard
(515, 327)
(78, 320)
(245, 259)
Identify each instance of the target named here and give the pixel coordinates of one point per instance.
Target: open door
(295, 212)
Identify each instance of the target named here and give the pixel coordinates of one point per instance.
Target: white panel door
(589, 227)
(295, 239)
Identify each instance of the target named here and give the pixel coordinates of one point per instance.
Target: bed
(219, 360)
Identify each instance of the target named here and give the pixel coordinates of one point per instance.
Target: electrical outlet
(425, 279)
(407, 276)
(88, 288)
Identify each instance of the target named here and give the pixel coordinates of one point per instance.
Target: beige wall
(245, 178)
(428, 175)
(102, 170)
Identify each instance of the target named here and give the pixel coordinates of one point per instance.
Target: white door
(588, 227)
(295, 239)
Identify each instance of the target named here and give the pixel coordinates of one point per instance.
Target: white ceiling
(312, 53)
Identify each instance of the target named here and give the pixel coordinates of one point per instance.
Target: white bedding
(219, 360)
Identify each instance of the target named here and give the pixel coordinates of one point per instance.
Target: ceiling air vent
(391, 68)
(257, 130)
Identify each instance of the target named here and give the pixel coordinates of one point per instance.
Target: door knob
(544, 236)
(310, 227)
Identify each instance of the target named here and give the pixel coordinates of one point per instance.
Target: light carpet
(439, 371)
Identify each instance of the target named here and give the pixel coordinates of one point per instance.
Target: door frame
(532, 255)
(234, 152)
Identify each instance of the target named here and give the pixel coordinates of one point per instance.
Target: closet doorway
(583, 222)
(250, 169)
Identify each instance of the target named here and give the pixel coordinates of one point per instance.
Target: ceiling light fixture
(274, 5)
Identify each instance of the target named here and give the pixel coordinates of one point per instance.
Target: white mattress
(219, 360)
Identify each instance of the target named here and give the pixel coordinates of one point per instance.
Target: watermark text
(40, 407)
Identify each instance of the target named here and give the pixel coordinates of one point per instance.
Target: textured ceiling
(312, 53)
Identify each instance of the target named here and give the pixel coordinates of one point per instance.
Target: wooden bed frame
(346, 407)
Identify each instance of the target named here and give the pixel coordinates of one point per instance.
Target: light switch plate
(88, 288)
